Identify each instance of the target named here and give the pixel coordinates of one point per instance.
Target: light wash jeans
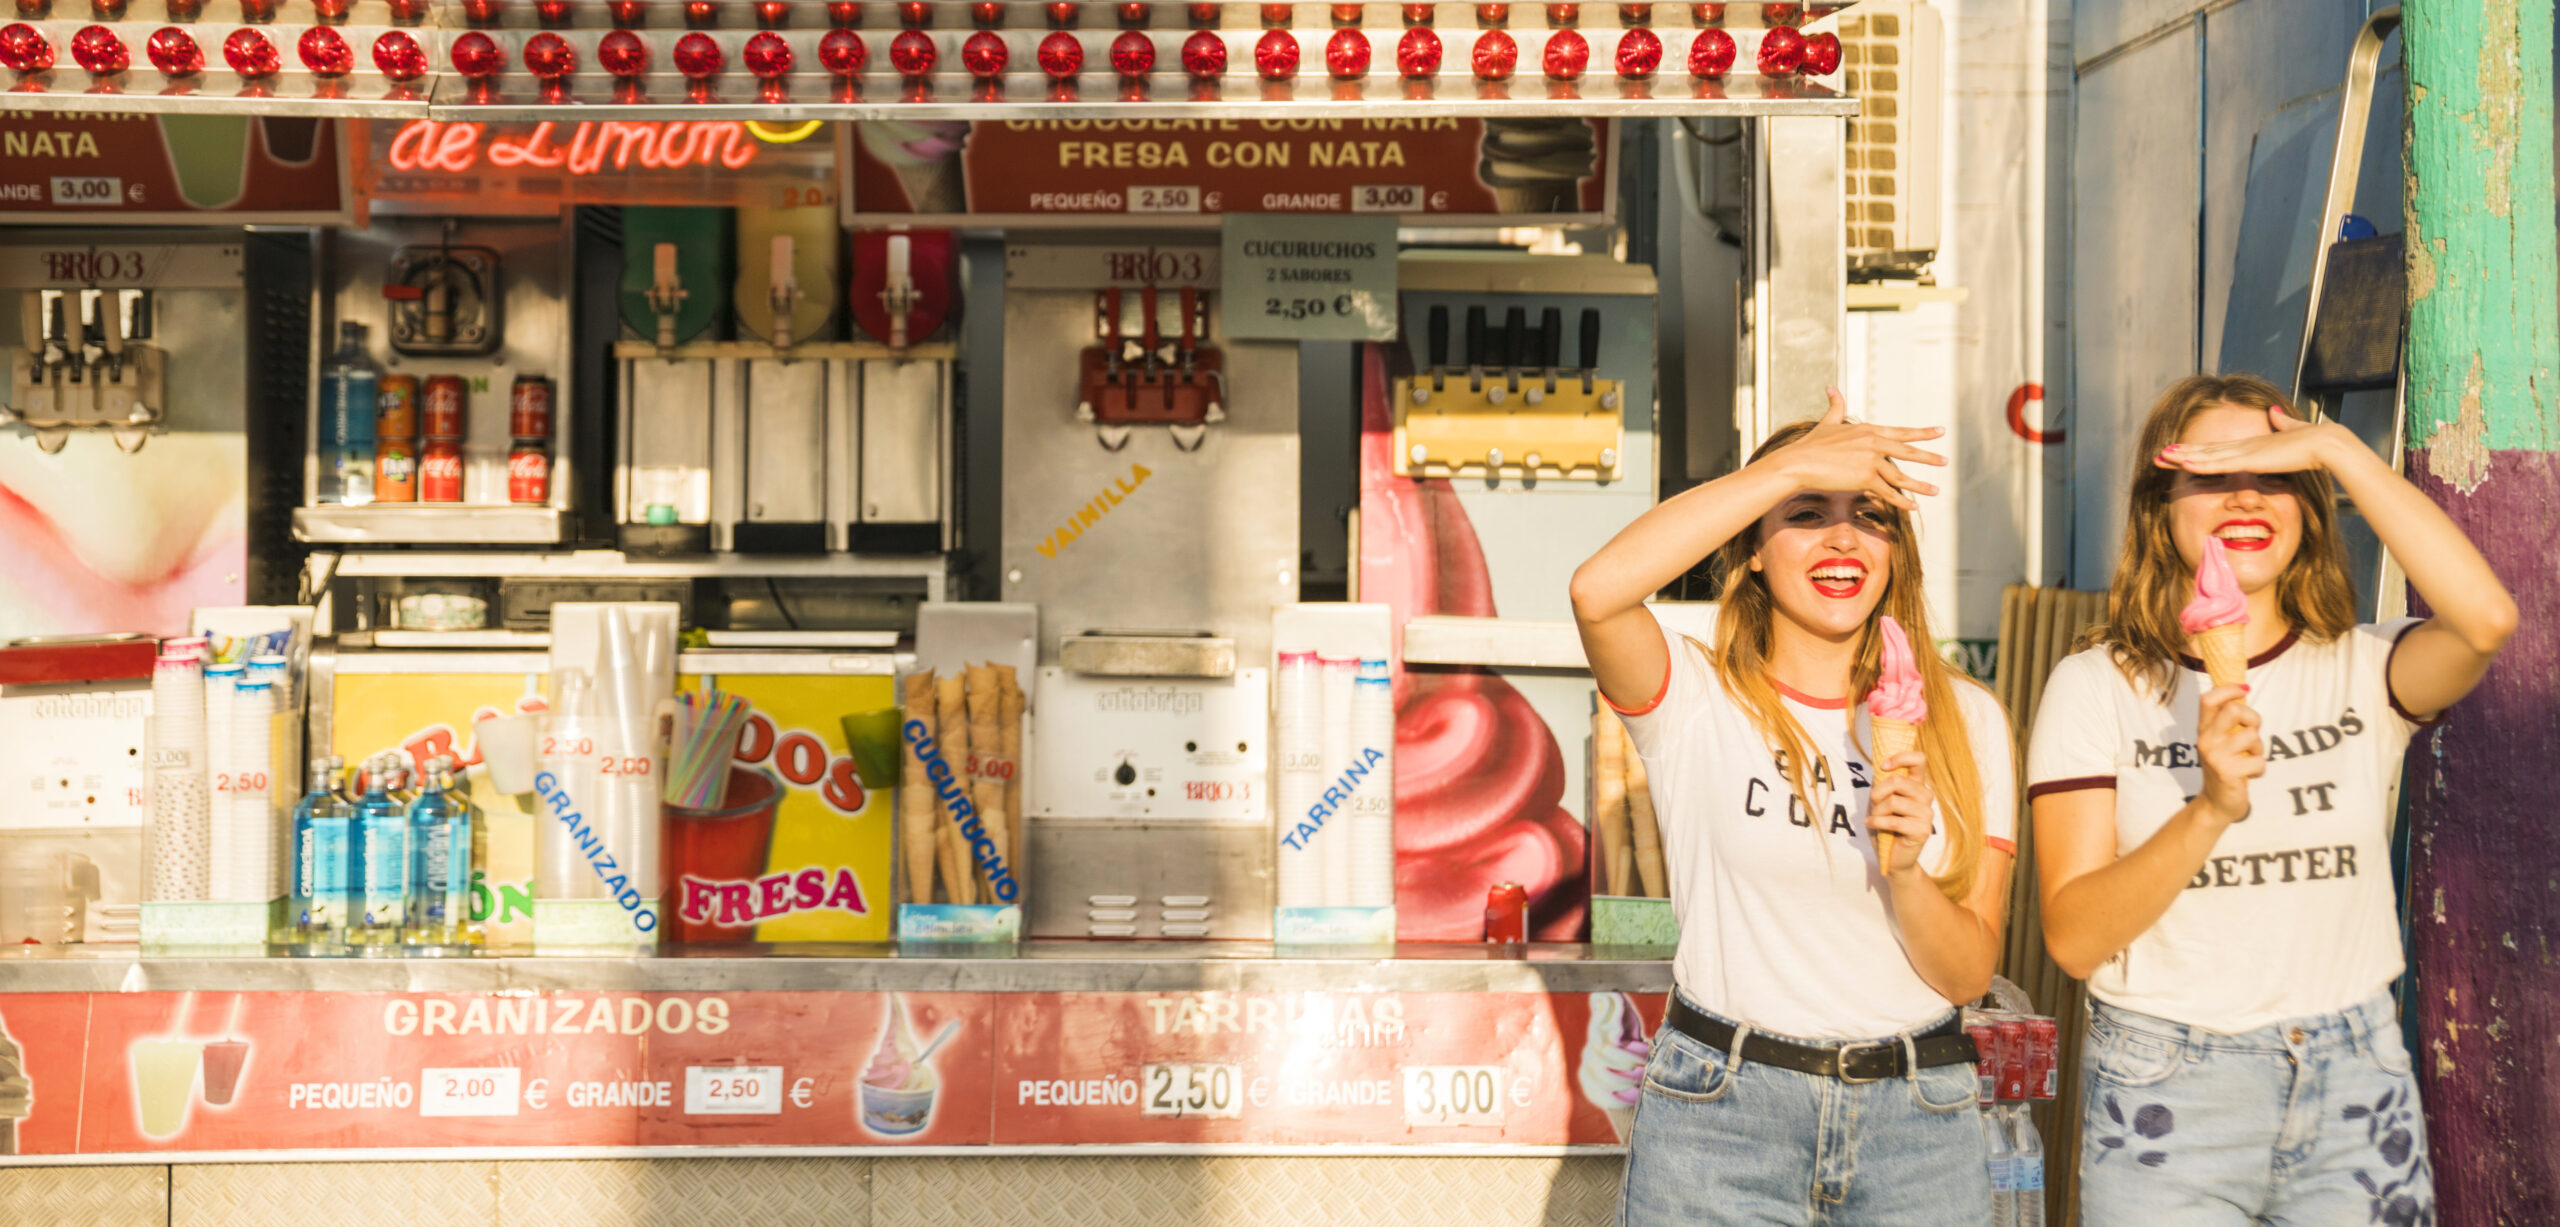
(2309, 1122)
(1719, 1142)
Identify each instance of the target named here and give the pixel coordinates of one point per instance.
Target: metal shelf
(440, 524)
(613, 564)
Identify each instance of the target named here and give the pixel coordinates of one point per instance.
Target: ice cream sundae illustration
(1613, 1056)
(899, 1085)
(925, 156)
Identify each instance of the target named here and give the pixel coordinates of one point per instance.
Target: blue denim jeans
(2312, 1121)
(1718, 1140)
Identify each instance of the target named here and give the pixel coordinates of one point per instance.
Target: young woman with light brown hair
(2216, 860)
(1810, 1066)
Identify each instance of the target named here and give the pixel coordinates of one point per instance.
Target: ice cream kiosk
(976, 576)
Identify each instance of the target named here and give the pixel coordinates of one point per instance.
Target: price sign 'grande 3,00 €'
(1293, 278)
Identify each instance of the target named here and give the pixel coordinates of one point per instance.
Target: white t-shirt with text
(2292, 914)
(1785, 921)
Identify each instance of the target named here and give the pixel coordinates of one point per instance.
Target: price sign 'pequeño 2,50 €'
(1293, 278)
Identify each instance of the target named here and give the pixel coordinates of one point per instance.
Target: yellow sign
(827, 863)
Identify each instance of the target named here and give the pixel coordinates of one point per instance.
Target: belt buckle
(1843, 1060)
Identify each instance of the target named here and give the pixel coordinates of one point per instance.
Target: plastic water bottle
(2004, 1167)
(323, 866)
(2027, 1154)
(439, 880)
(382, 859)
(350, 397)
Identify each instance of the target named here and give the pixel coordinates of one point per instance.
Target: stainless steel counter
(1050, 966)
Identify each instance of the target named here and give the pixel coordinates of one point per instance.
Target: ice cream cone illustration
(1614, 1050)
(1537, 166)
(925, 156)
(17, 1092)
(2218, 619)
(1896, 706)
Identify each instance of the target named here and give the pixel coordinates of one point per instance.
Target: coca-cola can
(1986, 1049)
(1506, 914)
(529, 473)
(529, 408)
(440, 472)
(444, 405)
(2013, 1059)
(2044, 1045)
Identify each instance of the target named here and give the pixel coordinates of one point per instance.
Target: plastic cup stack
(221, 763)
(1301, 777)
(245, 859)
(1373, 801)
(1333, 843)
(181, 815)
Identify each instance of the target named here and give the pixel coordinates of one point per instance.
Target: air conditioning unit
(1893, 60)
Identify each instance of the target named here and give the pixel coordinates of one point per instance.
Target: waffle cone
(2226, 653)
(935, 187)
(1894, 737)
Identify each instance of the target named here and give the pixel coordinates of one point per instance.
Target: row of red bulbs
(844, 14)
(250, 53)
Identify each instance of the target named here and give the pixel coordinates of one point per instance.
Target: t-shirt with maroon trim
(1785, 920)
(2292, 914)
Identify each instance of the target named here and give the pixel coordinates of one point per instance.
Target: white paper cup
(508, 746)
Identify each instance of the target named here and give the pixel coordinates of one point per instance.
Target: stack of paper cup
(1301, 742)
(245, 856)
(221, 763)
(180, 808)
(1333, 845)
(1373, 800)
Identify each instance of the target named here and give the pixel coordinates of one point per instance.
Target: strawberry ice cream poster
(1609, 1038)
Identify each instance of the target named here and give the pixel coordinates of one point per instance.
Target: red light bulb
(549, 56)
(987, 14)
(1639, 52)
(324, 52)
(107, 10)
(1635, 14)
(1060, 55)
(767, 55)
(250, 54)
(914, 14)
(553, 14)
(843, 14)
(1204, 16)
(477, 56)
(1821, 54)
(189, 10)
(35, 10)
(330, 12)
(911, 53)
(174, 52)
(1781, 51)
(1417, 14)
(1275, 16)
(773, 14)
(627, 14)
(1204, 54)
(984, 55)
(1711, 53)
(1133, 54)
(1418, 52)
(482, 12)
(97, 49)
(1133, 15)
(396, 55)
(1492, 16)
(1564, 16)
(624, 54)
(1774, 15)
(1276, 55)
(1345, 14)
(257, 12)
(1705, 15)
(842, 52)
(701, 14)
(1495, 55)
(1566, 55)
(1062, 14)
(1346, 54)
(698, 56)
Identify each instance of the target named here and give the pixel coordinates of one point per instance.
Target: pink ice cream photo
(1896, 706)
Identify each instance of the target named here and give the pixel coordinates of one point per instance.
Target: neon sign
(592, 146)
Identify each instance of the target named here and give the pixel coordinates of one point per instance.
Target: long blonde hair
(2153, 581)
(1741, 661)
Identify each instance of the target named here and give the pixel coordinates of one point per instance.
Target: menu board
(76, 168)
(162, 1074)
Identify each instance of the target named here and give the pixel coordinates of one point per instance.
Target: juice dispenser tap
(898, 296)
(784, 296)
(666, 293)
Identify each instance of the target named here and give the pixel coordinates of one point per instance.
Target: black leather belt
(1862, 1061)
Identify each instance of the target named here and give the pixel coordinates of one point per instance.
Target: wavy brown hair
(1741, 660)
(2153, 581)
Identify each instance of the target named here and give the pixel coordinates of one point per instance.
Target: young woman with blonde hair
(1810, 1066)
(2216, 860)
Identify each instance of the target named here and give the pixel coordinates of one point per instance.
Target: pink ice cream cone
(1896, 706)
(2218, 619)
